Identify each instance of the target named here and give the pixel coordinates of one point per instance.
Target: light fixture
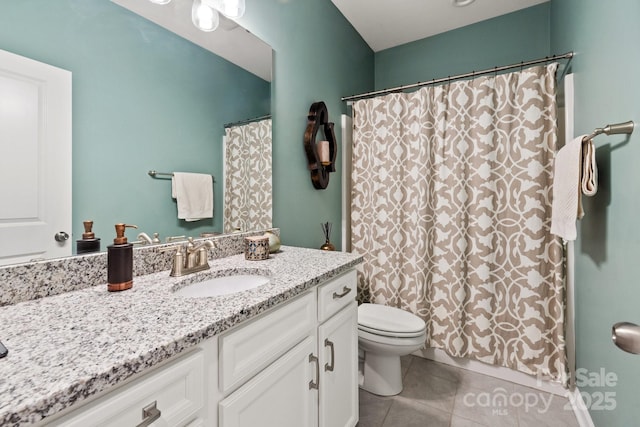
(321, 155)
(204, 13)
(204, 17)
(232, 9)
(461, 3)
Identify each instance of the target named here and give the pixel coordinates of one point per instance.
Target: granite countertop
(65, 348)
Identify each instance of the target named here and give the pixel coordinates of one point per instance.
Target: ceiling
(230, 41)
(386, 24)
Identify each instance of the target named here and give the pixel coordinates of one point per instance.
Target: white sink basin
(223, 285)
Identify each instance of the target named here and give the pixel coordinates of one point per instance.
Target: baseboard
(493, 371)
(580, 409)
(575, 397)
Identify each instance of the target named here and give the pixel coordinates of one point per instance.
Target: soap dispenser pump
(89, 242)
(120, 261)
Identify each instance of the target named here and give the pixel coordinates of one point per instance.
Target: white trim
(570, 328)
(580, 409)
(575, 397)
(500, 372)
(347, 143)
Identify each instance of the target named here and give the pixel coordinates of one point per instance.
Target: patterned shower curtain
(451, 208)
(247, 190)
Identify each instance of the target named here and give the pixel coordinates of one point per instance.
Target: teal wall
(606, 37)
(160, 102)
(143, 99)
(318, 57)
(511, 38)
(125, 68)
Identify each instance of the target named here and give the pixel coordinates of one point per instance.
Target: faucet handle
(190, 246)
(177, 248)
(178, 259)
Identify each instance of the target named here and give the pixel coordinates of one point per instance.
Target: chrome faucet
(189, 258)
(144, 239)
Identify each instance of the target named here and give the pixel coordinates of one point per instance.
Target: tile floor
(438, 395)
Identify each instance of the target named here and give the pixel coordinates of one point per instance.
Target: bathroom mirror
(148, 94)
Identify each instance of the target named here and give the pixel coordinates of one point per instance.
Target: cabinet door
(338, 348)
(177, 390)
(282, 395)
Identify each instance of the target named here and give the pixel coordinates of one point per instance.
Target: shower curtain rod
(244, 122)
(522, 64)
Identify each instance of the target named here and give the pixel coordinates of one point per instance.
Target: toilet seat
(395, 342)
(388, 321)
(391, 334)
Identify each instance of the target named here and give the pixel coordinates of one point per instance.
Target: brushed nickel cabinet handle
(329, 366)
(344, 293)
(149, 414)
(314, 384)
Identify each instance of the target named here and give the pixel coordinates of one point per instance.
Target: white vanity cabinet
(282, 395)
(172, 395)
(310, 381)
(265, 368)
(293, 366)
(338, 352)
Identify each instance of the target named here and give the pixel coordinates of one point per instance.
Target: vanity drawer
(336, 294)
(248, 349)
(177, 390)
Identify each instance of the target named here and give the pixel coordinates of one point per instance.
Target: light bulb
(160, 1)
(232, 9)
(461, 3)
(204, 17)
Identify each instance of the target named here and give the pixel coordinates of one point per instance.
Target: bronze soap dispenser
(120, 261)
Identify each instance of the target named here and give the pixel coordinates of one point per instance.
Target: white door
(338, 349)
(283, 395)
(35, 160)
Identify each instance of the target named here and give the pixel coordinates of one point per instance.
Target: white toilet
(384, 334)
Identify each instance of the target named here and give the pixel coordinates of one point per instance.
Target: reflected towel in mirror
(194, 195)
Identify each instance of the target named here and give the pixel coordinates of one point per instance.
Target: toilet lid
(385, 320)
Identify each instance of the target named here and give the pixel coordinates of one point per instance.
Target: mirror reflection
(144, 98)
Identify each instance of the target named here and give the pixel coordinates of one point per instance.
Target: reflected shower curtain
(451, 208)
(247, 189)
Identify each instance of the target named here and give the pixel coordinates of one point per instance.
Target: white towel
(194, 195)
(589, 169)
(574, 172)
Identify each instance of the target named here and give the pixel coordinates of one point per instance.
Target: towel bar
(154, 174)
(617, 128)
